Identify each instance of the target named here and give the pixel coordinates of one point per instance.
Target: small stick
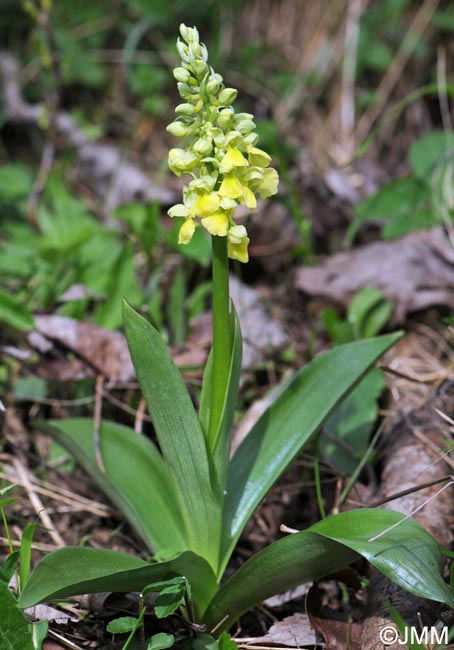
(97, 422)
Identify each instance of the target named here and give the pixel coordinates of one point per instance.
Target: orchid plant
(188, 497)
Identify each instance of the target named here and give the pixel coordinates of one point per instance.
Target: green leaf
(13, 313)
(15, 631)
(221, 451)
(16, 181)
(160, 641)
(9, 566)
(396, 202)
(25, 552)
(122, 625)
(40, 630)
(169, 600)
(136, 479)
(179, 433)
(406, 554)
(122, 282)
(172, 595)
(351, 424)
(426, 153)
(300, 409)
(80, 570)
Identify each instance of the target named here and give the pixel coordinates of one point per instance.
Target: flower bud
(190, 34)
(225, 118)
(212, 87)
(227, 96)
(186, 109)
(202, 146)
(178, 129)
(181, 74)
(183, 51)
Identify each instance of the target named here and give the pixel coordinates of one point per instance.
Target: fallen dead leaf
(415, 272)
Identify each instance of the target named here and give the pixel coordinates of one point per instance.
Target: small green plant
(347, 431)
(420, 200)
(16, 633)
(189, 499)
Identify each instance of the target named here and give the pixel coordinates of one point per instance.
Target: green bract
(221, 155)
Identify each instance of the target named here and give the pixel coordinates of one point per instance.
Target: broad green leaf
(395, 202)
(298, 412)
(122, 281)
(136, 479)
(9, 566)
(406, 554)
(351, 423)
(160, 641)
(13, 313)
(179, 433)
(221, 451)
(15, 631)
(425, 153)
(79, 570)
(16, 181)
(122, 625)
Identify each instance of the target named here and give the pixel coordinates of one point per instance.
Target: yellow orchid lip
(217, 224)
(231, 187)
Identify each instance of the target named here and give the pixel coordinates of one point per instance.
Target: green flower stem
(221, 334)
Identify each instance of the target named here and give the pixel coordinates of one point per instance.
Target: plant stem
(221, 334)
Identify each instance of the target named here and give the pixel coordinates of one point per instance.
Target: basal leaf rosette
(221, 156)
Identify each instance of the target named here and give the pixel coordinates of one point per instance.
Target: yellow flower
(186, 231)
(269, 183)
(233, 158)
(231, 187)
(217, 224)
(178, 210)
(205, 205)
(258, 157)
(238, 244)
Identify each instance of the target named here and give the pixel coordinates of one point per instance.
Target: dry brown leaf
(415, 272)
(294, 631)
(338, 635)
(103, 350)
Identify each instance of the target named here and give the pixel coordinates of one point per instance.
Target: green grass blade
(136, 479)
(407, 554)
(79, 570)
(297, 413)
(25, 553)
(179, 433)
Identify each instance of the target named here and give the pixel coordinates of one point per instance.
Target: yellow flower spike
(186, 231)
(217, 224)
(221, 156)
(231, 187)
